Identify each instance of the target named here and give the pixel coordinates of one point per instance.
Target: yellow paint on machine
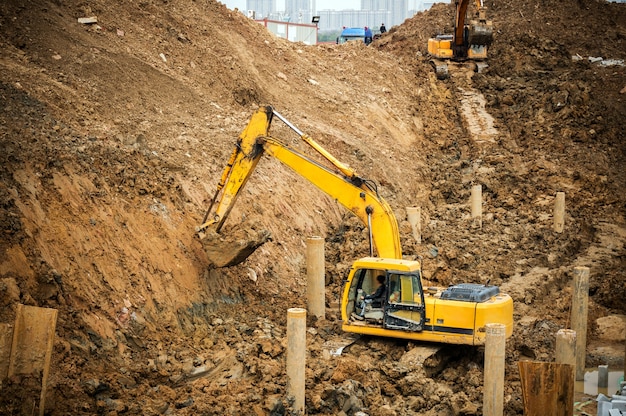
(458, 327)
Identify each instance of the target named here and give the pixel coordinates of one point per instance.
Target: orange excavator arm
(459, 20)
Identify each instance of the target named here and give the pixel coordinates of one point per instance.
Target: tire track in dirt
(477, 120)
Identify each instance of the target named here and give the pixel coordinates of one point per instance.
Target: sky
(320, 4)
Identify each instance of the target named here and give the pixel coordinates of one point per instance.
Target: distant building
(293, 7)
(261, 8)
(294, 32)
(397, 11)
(372, 12)
(337, 19)
(299, 11)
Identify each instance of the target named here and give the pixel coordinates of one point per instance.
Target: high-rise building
(294, 6)
(372, 12)
(299, 11)
(335, 20)
(376, 4)
(261, 8)
(397, 10)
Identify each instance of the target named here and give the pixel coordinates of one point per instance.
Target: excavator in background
(468, 43)
(456, 315)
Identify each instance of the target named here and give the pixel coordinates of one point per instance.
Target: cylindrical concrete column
(566, 354)
(493, 387)
(559, 212)
(566, 347)
(580, 302)
(414, 216)
(315, 290)
(476, 201)
(296, 354)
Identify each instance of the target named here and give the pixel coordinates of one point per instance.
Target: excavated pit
(114, 135)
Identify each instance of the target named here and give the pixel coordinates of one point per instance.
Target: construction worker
(368, 35)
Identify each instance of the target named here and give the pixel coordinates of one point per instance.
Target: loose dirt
(114, 136)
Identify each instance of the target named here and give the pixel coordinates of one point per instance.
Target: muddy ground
(113, 139)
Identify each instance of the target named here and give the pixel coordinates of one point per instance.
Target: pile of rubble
(614, 405)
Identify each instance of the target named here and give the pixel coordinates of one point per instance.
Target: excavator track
(441, 68)
(479, 124)
(444, 69)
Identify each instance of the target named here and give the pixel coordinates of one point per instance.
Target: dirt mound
(114, 135)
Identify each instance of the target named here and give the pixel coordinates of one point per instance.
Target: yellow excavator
(457, 314)
(468, 43)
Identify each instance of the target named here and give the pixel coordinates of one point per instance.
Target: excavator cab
(455, 315)
(403, 305)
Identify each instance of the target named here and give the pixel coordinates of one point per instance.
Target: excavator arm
(340, 182)
(467, 37)
(459, 20)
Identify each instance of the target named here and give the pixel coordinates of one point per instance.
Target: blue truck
(349, 34)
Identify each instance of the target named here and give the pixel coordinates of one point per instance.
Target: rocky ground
(113, 139)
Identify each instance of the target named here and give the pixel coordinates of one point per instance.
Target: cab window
(404, 289)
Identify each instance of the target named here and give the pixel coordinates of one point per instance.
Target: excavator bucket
(480, 33)
(233, 246)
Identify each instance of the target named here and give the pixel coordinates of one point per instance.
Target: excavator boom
(340, 182)
(484, 34)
